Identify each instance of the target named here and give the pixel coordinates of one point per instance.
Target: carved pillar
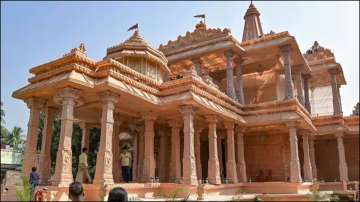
(162, 154)
(335, 93)
(104, 159)
(85, 135)
(295, 174)
(306, 78)
(213, 165)
(307, 163)
(198, 131)
(149, 159)
(45, 156)
(230, 91)
(63, 170)
(219, 149)
(230, 160)
(134, 155)
(35, 106)
(175, 164)
(342, 159)
(312, 157)
(197, 64)
(189, 165)
(241, 165)
(239, 84)
(299, 87)
(141, 154)
(289, 92)
(116, 154)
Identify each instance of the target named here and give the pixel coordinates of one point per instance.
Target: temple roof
(321, 60)
(317, 52)
(252, 28)
(199, 35)
(137, 46)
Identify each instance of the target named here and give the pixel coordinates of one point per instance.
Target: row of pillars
(235, 170)
(301, 81)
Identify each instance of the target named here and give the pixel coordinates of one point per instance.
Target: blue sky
(33, 33)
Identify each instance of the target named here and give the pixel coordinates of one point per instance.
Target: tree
(15, 138)
(356, 111)
(4, 131)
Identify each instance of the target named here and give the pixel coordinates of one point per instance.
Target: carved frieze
(317, 52)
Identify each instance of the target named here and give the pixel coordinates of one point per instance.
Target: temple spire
(252, 28)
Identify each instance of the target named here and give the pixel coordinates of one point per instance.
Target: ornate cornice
(195, 37)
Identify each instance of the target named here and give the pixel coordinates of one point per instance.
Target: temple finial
(252, 28)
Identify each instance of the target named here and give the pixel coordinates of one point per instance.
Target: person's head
(33, 169)
(84, 150)
(76, 191)
(118, 194)
(125, 148)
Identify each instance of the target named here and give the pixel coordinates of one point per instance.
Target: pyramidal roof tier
(136, 46)
(252, 28)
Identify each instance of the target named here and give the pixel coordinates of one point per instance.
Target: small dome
(136, 53)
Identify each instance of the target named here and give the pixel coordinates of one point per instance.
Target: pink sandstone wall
(266, 152)
(352, 157)
(327, 160)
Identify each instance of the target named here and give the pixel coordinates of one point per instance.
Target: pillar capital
(175, 124)
(68, 95)
(108, 96)
(198, 130)
(228, 53)
(285, 49)
(306, 76)
(35, 102)
(333, 71)
(229, 125)
(291, 124)
(240, 130)
(187, 109)
(211, 118)
(339, 134)
(149, 116)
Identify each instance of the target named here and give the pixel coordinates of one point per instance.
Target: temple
(203, 108)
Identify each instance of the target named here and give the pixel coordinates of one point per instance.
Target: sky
(33, 33)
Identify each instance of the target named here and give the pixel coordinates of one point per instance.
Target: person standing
(125, 158)
(83, 174)
(34, 179)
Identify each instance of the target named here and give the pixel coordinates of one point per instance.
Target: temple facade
(205, 107)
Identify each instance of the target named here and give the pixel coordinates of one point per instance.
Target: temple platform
(144, 191)
(266, 191)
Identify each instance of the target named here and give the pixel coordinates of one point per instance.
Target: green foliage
(76, 147)
(23, 189)
(15, 138)
(12, 138)
(94, 141)
(319, 196)
(257, 198)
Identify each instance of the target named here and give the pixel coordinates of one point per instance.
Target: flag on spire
(136, 26)
(200, 16)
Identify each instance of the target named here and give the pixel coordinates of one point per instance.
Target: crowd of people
(76, 189)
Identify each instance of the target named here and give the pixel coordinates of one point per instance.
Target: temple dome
(136, 53)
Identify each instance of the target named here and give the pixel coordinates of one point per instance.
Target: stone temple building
(206, 107)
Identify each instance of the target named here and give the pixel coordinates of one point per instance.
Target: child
(34, 179)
